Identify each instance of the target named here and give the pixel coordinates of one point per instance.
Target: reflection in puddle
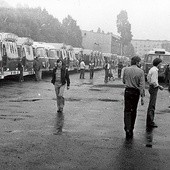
(149, 137)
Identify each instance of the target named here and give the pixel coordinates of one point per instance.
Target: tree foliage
(39, 25)
(72, 32)
(124, 28)
(166, 46)
(129, 50)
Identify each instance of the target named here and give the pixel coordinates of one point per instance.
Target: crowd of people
(134, 79)
(132, 76)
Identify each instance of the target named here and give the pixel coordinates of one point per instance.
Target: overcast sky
(149, 19)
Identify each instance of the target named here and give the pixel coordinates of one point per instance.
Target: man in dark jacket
(37, 68)
(20, 68)
(60, 78)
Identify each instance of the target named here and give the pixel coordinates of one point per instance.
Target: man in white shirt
(152, 79)
(82, 69)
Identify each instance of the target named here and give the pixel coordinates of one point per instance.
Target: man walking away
(152, 79)
(134, 80)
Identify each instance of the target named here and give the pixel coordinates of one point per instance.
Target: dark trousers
(82, 72)
(106, 75)
(152, 103)
(131, 98)
(21, 78)
(59, 121)
(91, 73)
(119, 72)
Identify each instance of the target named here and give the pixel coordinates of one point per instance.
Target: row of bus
(14, 48)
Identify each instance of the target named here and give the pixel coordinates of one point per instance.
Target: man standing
(167, 77)
(152, 79)
(134, 80)
(120, 67)
(91, 69)
(20, 68)
(82, 69)
(37, 67)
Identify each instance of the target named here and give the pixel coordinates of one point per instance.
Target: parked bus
(87, 56)
(78, 55)
(61, 49)
(39, 50)
(52, 54)
(156, 53)
(8, 55)
(71, 57)
(25, 52)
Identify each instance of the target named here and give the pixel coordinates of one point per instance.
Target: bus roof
(87, 51)
(8, 36)
(58, 45)
(24, 40)
(158, 52)
(78, 50)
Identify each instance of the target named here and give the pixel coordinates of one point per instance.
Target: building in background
(141, 47)
(105, 43)
(110, 43)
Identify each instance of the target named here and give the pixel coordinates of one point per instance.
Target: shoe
(59, 110)
(153, 125)
(59, 132)
(129, 134)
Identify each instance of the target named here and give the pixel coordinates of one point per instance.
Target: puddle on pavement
(14, 117)
(10, 118)
(73, 99)
(25, 100)
(163, 111)
(108, 100)
(111, 85)
(95, 89)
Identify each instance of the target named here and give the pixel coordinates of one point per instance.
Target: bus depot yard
(93, 136)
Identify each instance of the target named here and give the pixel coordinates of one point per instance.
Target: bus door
(40, 52)
(27, 59)
(53, 57)
(1, 68)
(10, 58)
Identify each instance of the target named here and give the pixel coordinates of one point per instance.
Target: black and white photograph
(84, 85)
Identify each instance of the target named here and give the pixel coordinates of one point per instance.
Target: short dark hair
(59, 60)
(156, 61)
(135, 60)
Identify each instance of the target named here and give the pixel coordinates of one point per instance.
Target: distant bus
(156, 53)
(25, 52)
(71, 58)
(8, 55)
(52, 54)
(40, 51)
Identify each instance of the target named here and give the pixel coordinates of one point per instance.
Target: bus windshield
(11, 50)
(53, 54)
(28, 52)
(165, 58)
(41, 51)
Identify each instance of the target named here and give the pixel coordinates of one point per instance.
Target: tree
(99, 30)
(166, 46)
(129, 50)
(72, 32)
(124, 29)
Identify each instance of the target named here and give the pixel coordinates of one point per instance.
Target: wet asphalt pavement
(93, 135)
